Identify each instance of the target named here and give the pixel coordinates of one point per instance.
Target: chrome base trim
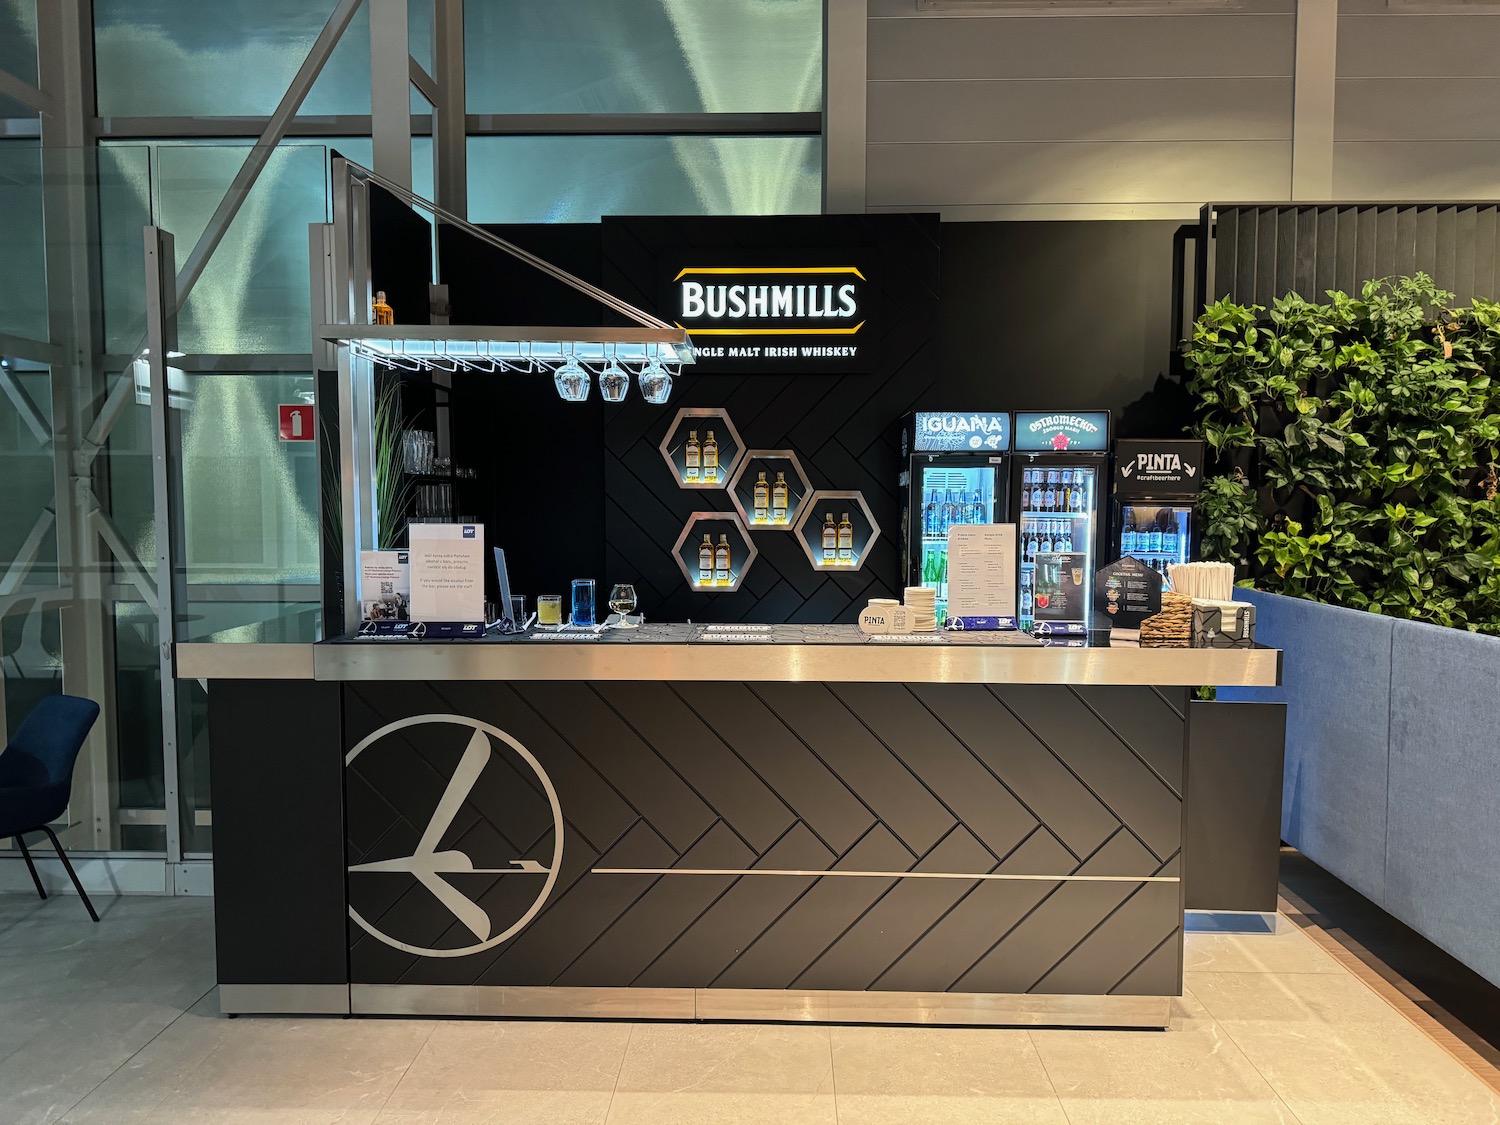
(762, 1005)
(284, 999)
(206, 661)
(1229, 921)
(505, 1000)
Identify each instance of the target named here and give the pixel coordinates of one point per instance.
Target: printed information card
(982, 571)
(447, 572)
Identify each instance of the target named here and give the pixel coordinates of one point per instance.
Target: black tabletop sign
(1127, 592)
(1158, 470)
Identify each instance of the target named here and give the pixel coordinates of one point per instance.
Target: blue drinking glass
(583, 601)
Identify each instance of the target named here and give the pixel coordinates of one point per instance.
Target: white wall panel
(920, 177)
(1102, 109)
(1416, 109)
(1207, 46)
(1396, 44)
(1416, 170)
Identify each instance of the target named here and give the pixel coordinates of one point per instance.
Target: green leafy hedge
(1357, 443)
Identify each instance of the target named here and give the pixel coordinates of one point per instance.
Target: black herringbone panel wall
(842, 427)
(943, 778)
(1261, 253)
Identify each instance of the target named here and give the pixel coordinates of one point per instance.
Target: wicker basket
(1173, 626)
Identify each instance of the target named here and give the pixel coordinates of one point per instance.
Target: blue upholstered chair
(36, 775)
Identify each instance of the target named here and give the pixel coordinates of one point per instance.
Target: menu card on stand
(384, 585)
(447, 578)
(982, 575)
(1126, 592)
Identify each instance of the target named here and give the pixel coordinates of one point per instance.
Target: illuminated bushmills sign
(781, 316)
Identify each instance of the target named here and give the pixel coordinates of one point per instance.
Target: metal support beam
(31, 415)
(424, 82)
(845, 71)
(1312, 99)
(260, 153)
(161, 335)
(38, 351)
(25, 93)
(390, 90)
(450, 150)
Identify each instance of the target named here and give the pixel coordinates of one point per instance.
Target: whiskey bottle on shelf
(380, 311)
(710, 458)
(846, 539)
(706, 561)
(762, 500)
(778, 498)
(830, 539)
(692, 457)
(721, 562)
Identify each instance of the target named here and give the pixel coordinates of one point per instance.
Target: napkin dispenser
(1223, 624)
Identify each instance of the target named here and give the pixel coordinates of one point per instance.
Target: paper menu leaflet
(982, 570)
(384, 585)
(447, 571)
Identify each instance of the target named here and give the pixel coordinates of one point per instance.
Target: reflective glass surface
(23, 280)
(680, 56)
(18, 38)
(580, 179)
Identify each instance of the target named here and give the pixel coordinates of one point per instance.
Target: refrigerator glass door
(1159, 535)
(948, 493)
(1058, 512)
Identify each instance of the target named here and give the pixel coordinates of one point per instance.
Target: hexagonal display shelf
(717, 526)
(758, 510)
(849, 555)
(698, 425)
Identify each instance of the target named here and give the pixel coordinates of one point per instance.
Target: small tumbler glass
(549, 609)
(518, 610)
(583, 602)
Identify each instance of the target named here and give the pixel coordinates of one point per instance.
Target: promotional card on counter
(1127, 592)
(793, 311)
(1060, 604)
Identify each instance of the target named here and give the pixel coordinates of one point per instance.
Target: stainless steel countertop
(828, 654)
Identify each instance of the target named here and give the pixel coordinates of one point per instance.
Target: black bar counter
(705, 822)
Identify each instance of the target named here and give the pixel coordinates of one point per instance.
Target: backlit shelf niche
(771, 462)
(827, 502)
(702, 420)
(742, 552)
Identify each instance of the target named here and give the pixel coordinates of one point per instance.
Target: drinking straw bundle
(1205, 581)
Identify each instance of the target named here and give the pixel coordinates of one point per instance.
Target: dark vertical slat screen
(1261, 253)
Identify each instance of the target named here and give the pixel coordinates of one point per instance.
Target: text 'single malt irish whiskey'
(692, 456)
(846, 540)
(762, 499)
(706, 561)
(710, 458)
(830, 538)
(778, 499)
(721, 562)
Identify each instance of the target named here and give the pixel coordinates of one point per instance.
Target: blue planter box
(1392, 777)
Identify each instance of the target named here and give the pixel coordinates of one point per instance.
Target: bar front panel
(765, 835)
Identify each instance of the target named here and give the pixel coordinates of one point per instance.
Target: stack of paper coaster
(922, 601)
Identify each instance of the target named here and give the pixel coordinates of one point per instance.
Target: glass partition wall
(568, 113)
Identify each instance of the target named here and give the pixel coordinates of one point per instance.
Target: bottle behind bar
(1080, 491)
(721, 560)
(779, 503)
(846, 540)
(710, 458)
(1127, 534)
(706, 561)
(830, 538)
(1170, 538)
(692, 456)
(1155, 540)
(1049, 498)
(762, 499)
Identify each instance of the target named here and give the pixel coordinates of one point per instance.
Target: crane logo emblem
(445, 872)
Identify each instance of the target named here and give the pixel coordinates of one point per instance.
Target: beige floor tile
(723, 1109)
(960, 1062)
(948, 1109)
(1288, 951)
(1335, 1052)
(725, 1073)
(515, 1072)
(1190, 1073)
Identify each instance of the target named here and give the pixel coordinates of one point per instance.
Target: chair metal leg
(26, 855)
(62, 855)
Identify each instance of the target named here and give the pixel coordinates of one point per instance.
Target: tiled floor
(119, 1022)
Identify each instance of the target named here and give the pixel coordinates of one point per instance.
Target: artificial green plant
(1356, 444)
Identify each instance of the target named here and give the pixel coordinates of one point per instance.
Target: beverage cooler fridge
(1057, 493)
(955, 472)
(1156, 486)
